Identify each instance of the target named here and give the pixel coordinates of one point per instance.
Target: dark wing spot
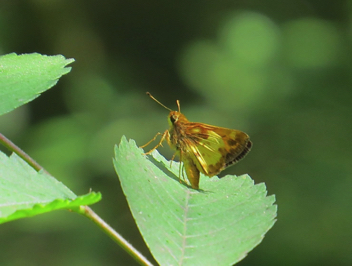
(249, 145)
(222, 151)
(231, 142)
(217, 168)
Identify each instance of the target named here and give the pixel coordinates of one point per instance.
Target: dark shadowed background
(278, 70)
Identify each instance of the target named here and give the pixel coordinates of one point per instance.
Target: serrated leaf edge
(40, 208)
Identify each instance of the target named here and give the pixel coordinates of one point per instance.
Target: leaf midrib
(185, 219)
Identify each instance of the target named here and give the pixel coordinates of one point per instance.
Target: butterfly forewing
(237, 144)
(214, 148)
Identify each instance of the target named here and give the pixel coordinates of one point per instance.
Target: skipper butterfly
(201, 147)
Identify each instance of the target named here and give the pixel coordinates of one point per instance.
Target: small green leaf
(24, 77)
(25, 192)
(217, 225)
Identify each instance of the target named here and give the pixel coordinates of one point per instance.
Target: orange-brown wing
(212, 149)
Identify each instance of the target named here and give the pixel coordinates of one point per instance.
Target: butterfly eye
(173, 119)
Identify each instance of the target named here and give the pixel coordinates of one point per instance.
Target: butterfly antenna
(151, 96)
(178, 105)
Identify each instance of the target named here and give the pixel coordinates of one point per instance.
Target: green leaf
(25, 192)
(24, 77)
(217, 225)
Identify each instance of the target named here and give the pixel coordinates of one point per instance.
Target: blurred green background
(278, 70)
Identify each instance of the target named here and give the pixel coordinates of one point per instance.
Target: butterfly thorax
(177, 122)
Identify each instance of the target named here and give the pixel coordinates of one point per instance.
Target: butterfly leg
(150, 141)
(172, 159)
(183, 171)
(164, 135)
(180, 171)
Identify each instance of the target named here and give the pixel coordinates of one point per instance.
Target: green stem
(88, 212)
(85, 210)
(14, 148)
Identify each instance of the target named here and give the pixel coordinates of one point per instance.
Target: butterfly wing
(212, 149)
(191, 170)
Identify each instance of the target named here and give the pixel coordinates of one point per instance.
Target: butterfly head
(176, 117)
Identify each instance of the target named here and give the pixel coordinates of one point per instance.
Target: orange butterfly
(201, 147)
